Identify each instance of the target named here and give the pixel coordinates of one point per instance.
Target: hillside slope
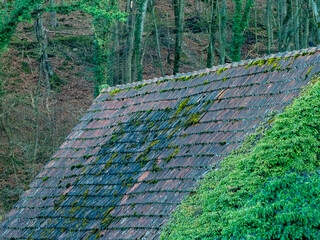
(71, 93)
(268, 189)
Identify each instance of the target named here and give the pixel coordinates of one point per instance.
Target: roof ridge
(212, 69)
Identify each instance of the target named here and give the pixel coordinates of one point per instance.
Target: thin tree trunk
(212, 35)
(37, 132)
(157, 39)
(116, 44)
(43, 57)
(222, 31)
(144, 48)
(54, 21)
(179, 18)
(154, 66)
(269, 24)
(306, 33)
(307, 25)
(42, 37)
(279, 22)
(4, 123)
(168, 42)
(256, 29)
(296, 24)
(111, 71)
(141, 15)
(130, 40)
(286, 30)
(198, 8)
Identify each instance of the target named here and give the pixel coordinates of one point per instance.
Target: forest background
(56, 55)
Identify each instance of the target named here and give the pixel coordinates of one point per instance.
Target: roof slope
(141, 148)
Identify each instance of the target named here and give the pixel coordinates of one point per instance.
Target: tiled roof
(142, 147)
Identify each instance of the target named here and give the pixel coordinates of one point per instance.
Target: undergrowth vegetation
(268, 189)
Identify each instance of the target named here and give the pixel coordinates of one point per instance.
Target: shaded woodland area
(56, 55)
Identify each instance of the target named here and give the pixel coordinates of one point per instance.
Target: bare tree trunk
(222, 31)
(296, 24)
(45, 72)
(198, 7)
(279, 22)
(116, 56)
(269, 24)
(157, 39)
(54, 21)
(130, 40)
(37, 132)
(45, 67)
(287, 28)
(256, 29)
(144, 48)
(179, 18)
(306, 33)
(4, 123)
(141, 15)
(168, 42)
(212, 35)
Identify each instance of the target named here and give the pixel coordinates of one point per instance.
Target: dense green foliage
(268, 189)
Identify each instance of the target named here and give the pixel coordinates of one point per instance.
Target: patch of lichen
(307, 74)
(143, 156)
(138, 87)
(257, 62)
(172, 155)
(173, 132)
(272, 60)
(275, 66)
(44, 179)
(221, 70)
(114, 92)
(184, 78)
(181, 106)
(192, 120)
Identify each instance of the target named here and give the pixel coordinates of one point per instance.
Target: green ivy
(240, 24)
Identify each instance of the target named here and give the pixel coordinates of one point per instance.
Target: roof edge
(212, 69)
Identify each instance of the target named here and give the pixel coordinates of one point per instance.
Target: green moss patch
(114, 92)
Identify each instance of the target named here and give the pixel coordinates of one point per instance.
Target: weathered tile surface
(139, 151)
